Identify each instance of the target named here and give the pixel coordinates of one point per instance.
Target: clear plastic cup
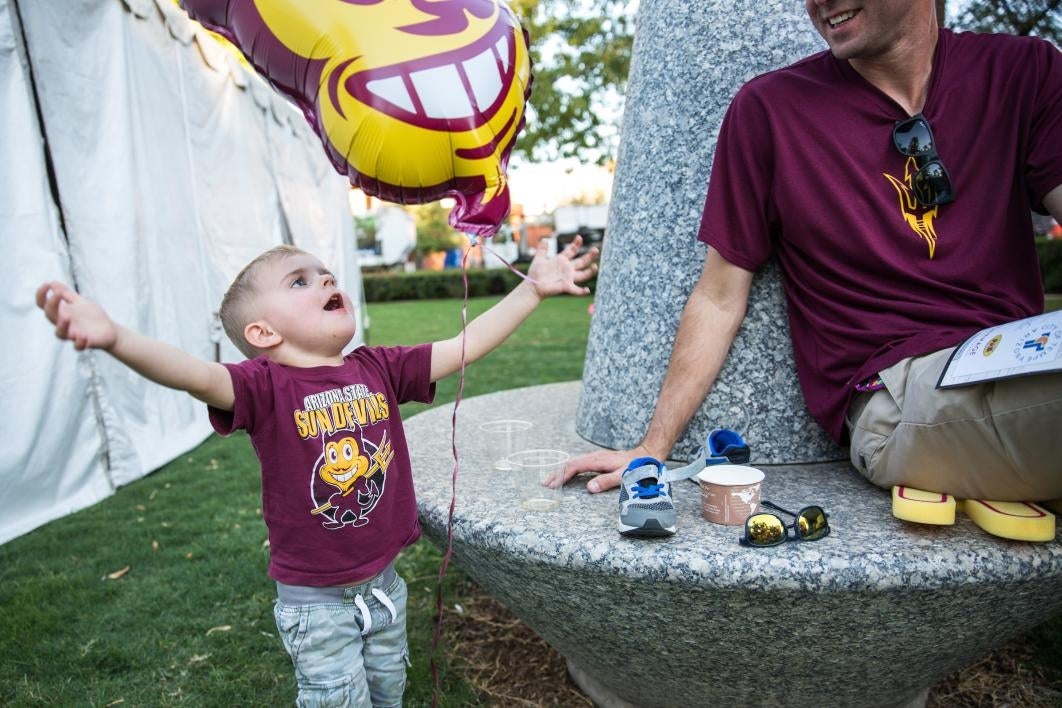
(503, 438)
(534, 472)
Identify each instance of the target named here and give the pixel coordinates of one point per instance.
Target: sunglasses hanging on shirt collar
(931, 184)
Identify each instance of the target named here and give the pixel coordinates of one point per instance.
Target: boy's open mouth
(334, 303)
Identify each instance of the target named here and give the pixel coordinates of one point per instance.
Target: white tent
(143, 163)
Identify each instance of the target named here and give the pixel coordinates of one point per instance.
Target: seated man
(893, 176)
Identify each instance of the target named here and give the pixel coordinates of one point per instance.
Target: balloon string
(509, 265)
(453, 492)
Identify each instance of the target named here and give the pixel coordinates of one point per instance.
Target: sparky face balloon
(413, 99)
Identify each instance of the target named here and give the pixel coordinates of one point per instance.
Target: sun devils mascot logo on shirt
(414, 100)
(349, 478)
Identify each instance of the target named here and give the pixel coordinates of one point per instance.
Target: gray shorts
(348, 645)
(999, 440)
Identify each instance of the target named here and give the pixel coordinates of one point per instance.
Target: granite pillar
(689, 60)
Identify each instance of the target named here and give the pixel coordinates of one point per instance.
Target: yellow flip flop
(1019, 521)
(922, 507)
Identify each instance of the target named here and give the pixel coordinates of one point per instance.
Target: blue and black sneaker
(645, 506)
(723, 447)
(726, 447)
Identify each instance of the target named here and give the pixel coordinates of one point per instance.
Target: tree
(580, 53)
(1041, 18)
(365, 231)
(433, 230)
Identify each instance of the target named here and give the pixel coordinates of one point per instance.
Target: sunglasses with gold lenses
(765, 529)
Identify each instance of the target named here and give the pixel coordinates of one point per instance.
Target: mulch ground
(506, 662)
(509, 665)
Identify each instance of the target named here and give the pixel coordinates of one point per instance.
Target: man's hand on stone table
(608, 465)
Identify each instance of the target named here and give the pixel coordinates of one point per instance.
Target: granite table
(873, 614)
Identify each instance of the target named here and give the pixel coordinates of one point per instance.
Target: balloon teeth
(441, 90)
(459, 89)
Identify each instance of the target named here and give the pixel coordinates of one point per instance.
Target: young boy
(337, 493)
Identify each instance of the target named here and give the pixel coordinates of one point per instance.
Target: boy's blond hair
(237, 307)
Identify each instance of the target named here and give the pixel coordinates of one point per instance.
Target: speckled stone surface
(870, 615)
(689, 60)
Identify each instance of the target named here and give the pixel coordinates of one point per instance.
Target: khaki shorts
(999, 440)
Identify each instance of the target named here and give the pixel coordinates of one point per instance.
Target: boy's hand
(76, 318)
(562, 274)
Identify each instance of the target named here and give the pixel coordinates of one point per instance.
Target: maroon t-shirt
(805, 168)
(337, 489)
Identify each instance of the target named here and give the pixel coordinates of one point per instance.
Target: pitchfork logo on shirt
(918, 218)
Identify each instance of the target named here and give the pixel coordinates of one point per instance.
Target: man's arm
(706, 330)
(548, 276)
(85, 323)
(1053, 202)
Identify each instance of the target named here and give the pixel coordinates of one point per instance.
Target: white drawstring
(386, 602)
(366, 616)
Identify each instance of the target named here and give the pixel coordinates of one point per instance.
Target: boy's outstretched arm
(88, 326)
(548, 276)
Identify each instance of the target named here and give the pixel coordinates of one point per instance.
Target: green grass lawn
(549, 347)
(187, 617)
